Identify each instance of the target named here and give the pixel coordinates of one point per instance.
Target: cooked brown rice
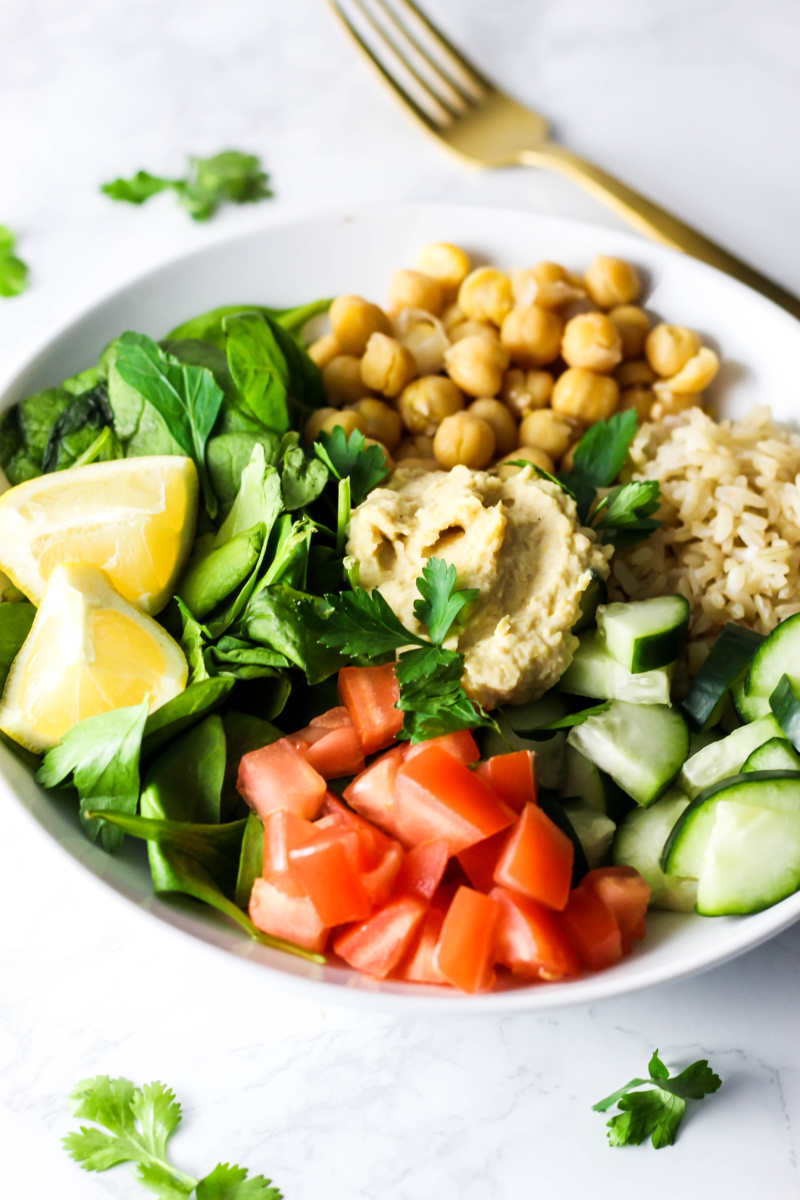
(730, 541)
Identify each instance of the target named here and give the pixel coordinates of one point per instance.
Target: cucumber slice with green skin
(774, 755)
(595, 594)
(594, 829)
(699, 741)
(778, 655)
(524, 718)
(639, 843)
(550, 751)
(641, 746)
(553, 809)
(727, 662)
(593, 787)
(726, 757)
(595, 672)
(785, 705)
(645, 634)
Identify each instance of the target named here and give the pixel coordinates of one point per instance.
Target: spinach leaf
(36, 416)
(195, 353)
(259, 369)
(76, 430)
(193, 640)
(102, 756)
(105, 447)
(208, 326)
(243, 733)
(228, 454)
(15, 625)
(84, 381)
(194, 703)
(251, 859)
(188, 398)
(243, 659)
(258, 501)
(272, 619)
(303, 479)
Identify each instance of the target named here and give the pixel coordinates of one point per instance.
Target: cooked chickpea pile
(481, 367)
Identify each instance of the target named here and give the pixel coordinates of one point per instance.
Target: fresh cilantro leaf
(13, 271)
(187, 397)
(625, 513)
(230, 176)
(138, 188)
(440, 603)
(359, 623)
(432, 699)
(343, 455)
(102, 756)
(540, 471)
(231, 1183)
(657, 1112)
(601, 453)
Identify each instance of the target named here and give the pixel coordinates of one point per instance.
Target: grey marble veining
(696, 103)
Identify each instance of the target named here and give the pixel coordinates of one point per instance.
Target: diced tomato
(423, 868)
(531, 940)
(465, 949)
(326, 870)
(480, 861)
(537, 859)
(375, 840)
(438, 797)
(372, 793)
(417, 966)
(375, 946)
(625, 892)
(281, 906)
(370, 694)
(512, 777)
(331, 745)
(592, 929)
(283, 831)
(461, 745)
(379, 882)
(278, 776)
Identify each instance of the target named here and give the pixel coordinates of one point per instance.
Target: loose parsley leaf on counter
(657, 1112)
(13, 271)
(140, 1122)
(230, 176)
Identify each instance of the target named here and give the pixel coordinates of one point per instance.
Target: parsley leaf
(13, 271)
(140, 1122)
(625, 514)
(658, 1112)
(431, 696)
(359, 623)
(230, 176)
(349, 456)
(599, 457)
(440, 603)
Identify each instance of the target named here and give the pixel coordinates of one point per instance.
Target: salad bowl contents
(442, 640)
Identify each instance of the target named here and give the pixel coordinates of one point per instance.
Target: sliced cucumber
(774, 755)
(524, 718)
(595, 594)
(593, 786)
(785, 705)
(550, 752)
(726, 757)
(595, 672)
(778, 655)
(645, 634)
(594, 829)
(641, 746)
(699, 741)
(639, 843)
(727, 662)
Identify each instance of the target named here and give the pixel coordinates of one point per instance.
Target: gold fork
(470, 116)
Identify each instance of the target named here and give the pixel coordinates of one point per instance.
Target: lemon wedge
(132, 517)
(88, 651)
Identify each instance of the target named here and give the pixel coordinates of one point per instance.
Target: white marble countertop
(696, 104)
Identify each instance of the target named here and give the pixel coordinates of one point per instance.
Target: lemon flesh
(88, 651)
(132, 517)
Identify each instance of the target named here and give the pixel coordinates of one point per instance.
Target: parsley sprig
(657, 1112)
(361, 625)
(230, 176)
(140, 1122)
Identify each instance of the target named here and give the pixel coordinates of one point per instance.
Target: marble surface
(694, 102)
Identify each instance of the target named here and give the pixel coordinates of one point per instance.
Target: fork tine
(406, 99)
(454, 93)
(478, 81)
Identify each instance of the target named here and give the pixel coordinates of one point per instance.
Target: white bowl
(288, 262)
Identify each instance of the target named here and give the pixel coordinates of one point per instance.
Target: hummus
(516, 540)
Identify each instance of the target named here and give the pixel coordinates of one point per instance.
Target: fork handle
(656, 222)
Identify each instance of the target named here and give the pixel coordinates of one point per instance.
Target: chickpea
(639, 398)
(348, 419)
(485, 295)
(473, 329)
(380, 422)
(323, 350)
(417, 447)
(476, 365)
(387, 458)
(693, 377)
(425, 403)
(387, 365)
(412, 289)
(464, 440)
(592, 340)
(342, 381)
(537, 458)
(315, 422)
(353, 322)
(548, 284)
(635, 373)
(547, 431)
(452, 316)
(524, 391)
(668, 348)
(612, 281)
(633, 325)
(585, 395)
(503, 424)
(532, 335)
(427, 343)
(448, 264)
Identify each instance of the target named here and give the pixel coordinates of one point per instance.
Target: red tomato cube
(465, 950)
(418, 966)
(374, 840)
(537, 859)
(370, 694)
(331, 745)
(592, 929)
(326, 869)
(372, 793)
(280, 906)
(461, 745)
(627, 895)
(278, 776)
(479, 862)
(283, 831)
(375, 946)
(423, 868)
(512, 777)
(379, 882)
(531, 940)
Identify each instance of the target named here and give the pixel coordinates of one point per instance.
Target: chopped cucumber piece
(645, 634)
(596, 789)
(778, 655)
(785, 705)
(595, 672)
(523, 718)
(595, 594)
(774, 755)
(699, 741)
(594, 829)
(641, 746)
(726, 757)
(549, 751)
(726, 664)
(639, 843)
